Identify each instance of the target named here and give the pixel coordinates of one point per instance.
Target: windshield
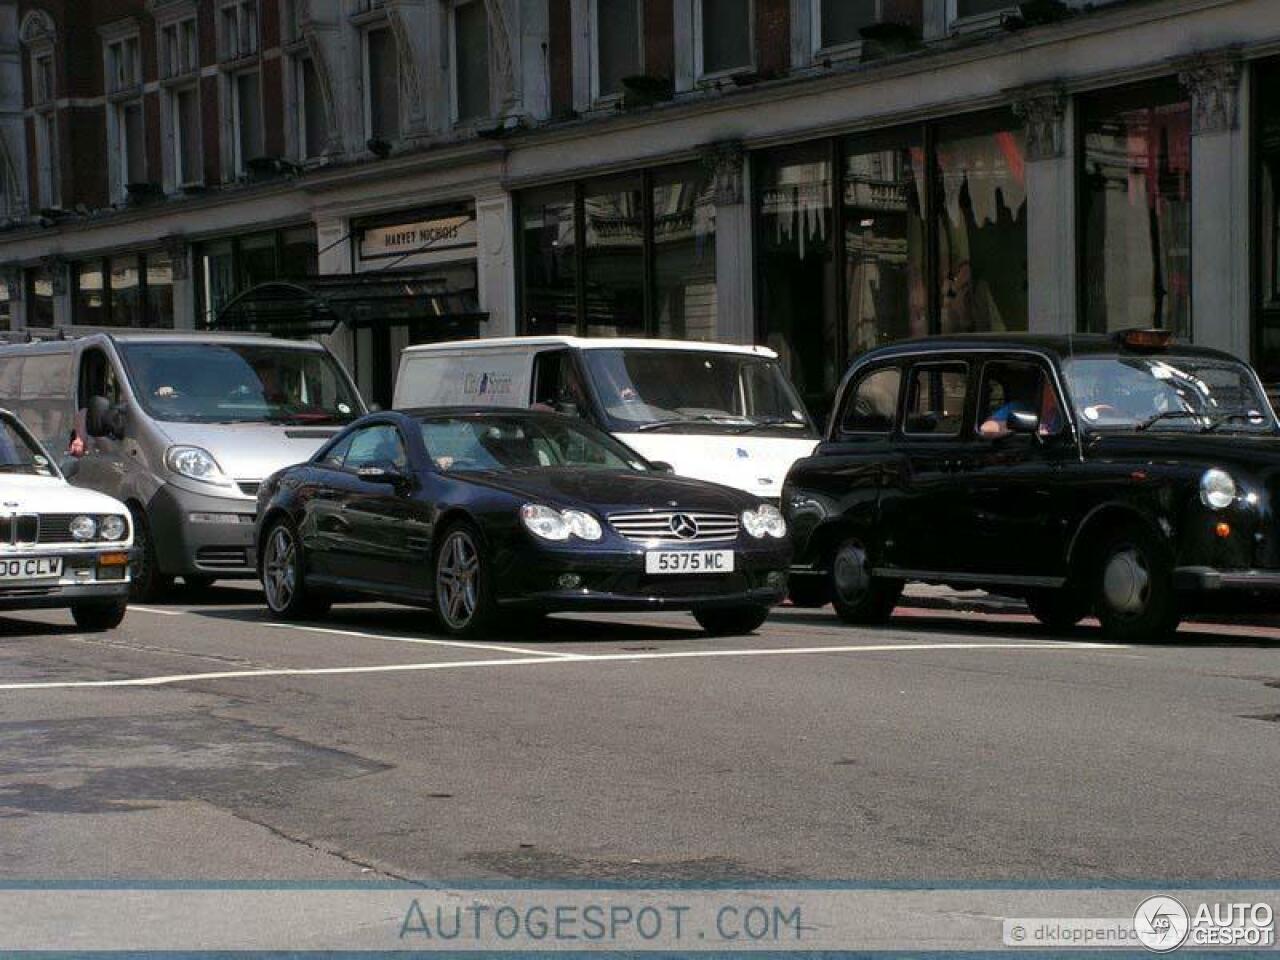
(20, 453)
(643, 389)
(239, 383)
(1166, 392)
(468, 444)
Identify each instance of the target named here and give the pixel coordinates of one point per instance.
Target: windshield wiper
(1249, 416)
(762, 423)
(700, 418)
(1168, 415)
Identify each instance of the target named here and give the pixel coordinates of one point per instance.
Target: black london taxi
(1127, 475)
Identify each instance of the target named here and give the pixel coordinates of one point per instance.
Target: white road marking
(570, 658)
(428, 641)
(163, 613)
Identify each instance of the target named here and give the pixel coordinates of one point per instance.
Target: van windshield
(694, 390)
(238, 383)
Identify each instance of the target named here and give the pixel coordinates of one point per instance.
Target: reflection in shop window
(126, 293)
(981, 220)
(684, 248)
(6, 306)
(549, 261)
(218, 276)
(614, 266)
(884, 239)
(158, 272)
(40, 297)
(1266, 352)
(91, 308)
(796, 267)
(1136, 201)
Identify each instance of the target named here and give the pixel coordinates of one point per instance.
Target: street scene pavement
(204, 739)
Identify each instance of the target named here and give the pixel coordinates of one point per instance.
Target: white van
(714, 411)
(181, 427)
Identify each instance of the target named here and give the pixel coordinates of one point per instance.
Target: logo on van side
(487, 384)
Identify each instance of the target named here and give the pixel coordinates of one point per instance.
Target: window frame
(597, 97)
(700, 75)
(974, 22)
(850, 397)
(956, 364)
(239, 163)
(367, 29)
(177, 141)
(452, 38)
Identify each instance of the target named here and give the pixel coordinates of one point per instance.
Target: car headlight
(84, 528)
(1217, 489)
(551, 524)
(113, 528)
(196, 464)
(764, 521)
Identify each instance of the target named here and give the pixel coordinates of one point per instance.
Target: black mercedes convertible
(479, 512)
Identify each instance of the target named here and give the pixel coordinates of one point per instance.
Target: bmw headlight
(113, 528)
(764, 521)
(83, 528)
(551, 524)
(195, 463)
(1217, 489)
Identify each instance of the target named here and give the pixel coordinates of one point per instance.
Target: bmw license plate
(688, 561)
(31, 568)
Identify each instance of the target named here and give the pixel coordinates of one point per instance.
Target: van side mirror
(1022, 421)
(101, 419)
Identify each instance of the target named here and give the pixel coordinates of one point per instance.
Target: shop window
(613, 242)
(981, 224)
(885, 235)
(246, 119)
(188, 162)
(684, 253)
(470, 61)
(91, 307)
(723, 31)
(258, 260)
(158, 289)
(313, 131)
(218, 277)
(40, 297)
(618, 32)
(838, 22)
(229, 267)
(299, 255)
(126, 292)
(382, 85)
(1136, 209)
(549, 261)
(796, 267)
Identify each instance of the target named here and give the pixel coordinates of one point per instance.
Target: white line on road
(571, 658)
(429, 641)
(164, 613)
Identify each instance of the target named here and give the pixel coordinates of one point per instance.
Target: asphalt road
(203, 741)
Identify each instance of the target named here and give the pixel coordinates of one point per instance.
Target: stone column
(495, 266)
(334, 243)
(735, 311)
(184, 285)
(1220, 214)
(1051, 209)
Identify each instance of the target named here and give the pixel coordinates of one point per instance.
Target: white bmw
(60, 546)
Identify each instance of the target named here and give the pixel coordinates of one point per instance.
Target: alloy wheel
(280, 568)
(457, 580)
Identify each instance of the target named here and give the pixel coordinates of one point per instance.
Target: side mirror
(662, 466)
(387, 473)
(101, 419)
(1020, 421)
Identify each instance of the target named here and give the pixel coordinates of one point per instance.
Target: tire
(731, 621)
(147, 583)
(99, 615)
(465, 603)
(1058, 610)
(283, 574)
(198, 582)
(859, 597)
(809, 592)
(1133, 590)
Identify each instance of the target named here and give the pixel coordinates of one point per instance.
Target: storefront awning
(319, 304)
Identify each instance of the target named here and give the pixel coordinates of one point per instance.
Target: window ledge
(376, 16)
(712, 81)
(981, 22)
(125, 94)
(236, 64)
(180, 80)
(838, 53)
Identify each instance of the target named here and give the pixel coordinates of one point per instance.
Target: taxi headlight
(764, 521)
(83, 528)
(1217, 489)
(113, 528)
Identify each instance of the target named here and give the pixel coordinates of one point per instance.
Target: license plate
(688, 561)
(31, 568)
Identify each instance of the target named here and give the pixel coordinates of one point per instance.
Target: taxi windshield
(1167, 392)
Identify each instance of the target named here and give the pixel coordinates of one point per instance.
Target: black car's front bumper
(615, 579)
(1212, 580)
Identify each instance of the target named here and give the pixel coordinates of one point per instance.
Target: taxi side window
(935, 399)
(1016, 386)
(872, 406)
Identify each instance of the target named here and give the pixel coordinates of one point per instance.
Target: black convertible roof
(1061, 346)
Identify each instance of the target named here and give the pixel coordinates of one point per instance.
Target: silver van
(181, 427)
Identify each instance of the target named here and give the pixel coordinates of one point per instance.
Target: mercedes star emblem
(684, 526)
